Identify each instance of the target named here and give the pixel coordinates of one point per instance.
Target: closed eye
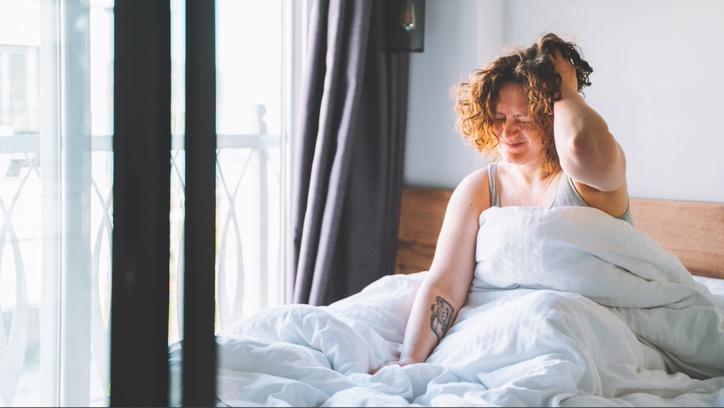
(516, 121)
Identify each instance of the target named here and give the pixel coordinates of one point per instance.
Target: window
(56, 183)
(249, 159)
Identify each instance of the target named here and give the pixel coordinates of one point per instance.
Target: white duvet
(568, 306)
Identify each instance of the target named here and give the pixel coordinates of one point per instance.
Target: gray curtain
(348, 176)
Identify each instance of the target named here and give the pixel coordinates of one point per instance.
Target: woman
(552, 149)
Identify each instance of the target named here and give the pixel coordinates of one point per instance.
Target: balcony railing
(248, 248)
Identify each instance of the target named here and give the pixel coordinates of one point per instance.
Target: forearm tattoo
(441, 318)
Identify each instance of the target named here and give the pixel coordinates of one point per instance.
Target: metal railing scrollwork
(248, 193)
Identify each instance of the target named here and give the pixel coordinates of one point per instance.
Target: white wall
(657, 81)
(436, 155)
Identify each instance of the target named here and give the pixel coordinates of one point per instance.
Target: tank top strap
(493, 184)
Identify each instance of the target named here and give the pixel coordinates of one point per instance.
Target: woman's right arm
(444, 290)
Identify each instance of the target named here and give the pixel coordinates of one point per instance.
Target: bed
(557, 315)
(692, 231)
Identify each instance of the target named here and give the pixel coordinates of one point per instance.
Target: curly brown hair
(532, 69)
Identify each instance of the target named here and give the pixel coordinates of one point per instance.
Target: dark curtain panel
(348, 177)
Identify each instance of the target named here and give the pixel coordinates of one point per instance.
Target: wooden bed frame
(694, 232)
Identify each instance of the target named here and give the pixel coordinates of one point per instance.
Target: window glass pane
(55, 201)
(249, 103)
(20, 204)
(101, 199)
(178, 169)
(249, 160)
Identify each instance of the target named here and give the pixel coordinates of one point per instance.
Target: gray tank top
(566, 193)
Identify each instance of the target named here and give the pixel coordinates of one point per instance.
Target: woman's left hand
(401, 363)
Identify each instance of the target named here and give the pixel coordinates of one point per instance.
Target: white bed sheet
(716, 286)
(558, 315)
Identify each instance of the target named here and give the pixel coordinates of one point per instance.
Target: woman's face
(519, 137)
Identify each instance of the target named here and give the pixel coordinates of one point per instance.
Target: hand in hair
(564, 68)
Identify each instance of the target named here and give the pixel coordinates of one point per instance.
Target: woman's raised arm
(587, 151)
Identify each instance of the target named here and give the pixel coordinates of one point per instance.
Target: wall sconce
(406, 23)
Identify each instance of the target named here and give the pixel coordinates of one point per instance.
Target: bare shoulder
(454, 261)
(472, 194)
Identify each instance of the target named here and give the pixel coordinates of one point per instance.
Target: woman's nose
(509, 127)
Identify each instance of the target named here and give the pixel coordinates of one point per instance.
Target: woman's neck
(526, 185)
(529, 175)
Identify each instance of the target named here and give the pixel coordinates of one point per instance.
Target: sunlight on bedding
(598, 314)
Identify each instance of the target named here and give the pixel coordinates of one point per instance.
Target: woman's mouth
(513, 145)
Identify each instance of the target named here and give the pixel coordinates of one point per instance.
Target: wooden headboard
(694, 232)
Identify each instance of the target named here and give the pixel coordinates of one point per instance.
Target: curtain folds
(350, 160)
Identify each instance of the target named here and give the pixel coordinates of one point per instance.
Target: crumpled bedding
(568, 307)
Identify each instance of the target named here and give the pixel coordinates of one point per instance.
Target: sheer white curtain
(55, 82)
